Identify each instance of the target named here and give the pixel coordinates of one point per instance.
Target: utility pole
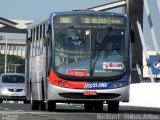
(6, 52)
(15, 67)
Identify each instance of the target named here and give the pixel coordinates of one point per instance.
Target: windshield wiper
(105, 33)
(92, 67)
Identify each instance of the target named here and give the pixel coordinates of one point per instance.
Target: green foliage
(11, 60)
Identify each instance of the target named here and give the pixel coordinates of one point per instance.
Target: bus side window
(43, 30)
(29, 35)
(37, 33)
(28, 43)
(43, 35)
(40, 42)
(47, 34)
(34, 43)
(40, 32)
(31, 44)
(33, 39)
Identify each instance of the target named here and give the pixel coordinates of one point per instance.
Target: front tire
(98, 106)
(42, 105)
(88, 107)
(113, 106)
(50, 106)
(34, 103)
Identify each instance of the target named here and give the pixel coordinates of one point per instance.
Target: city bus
(67, 62)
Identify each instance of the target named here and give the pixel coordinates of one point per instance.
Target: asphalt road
(19, 111)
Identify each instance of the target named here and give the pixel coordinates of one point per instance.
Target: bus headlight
(65, 84)
(118, 84)
(59, 83)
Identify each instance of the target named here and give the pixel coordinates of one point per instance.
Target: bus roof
(39, 21)
(88, 12)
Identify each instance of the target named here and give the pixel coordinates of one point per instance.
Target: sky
(35, 9)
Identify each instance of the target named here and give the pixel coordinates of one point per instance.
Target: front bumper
(7, 95)
(60, 94)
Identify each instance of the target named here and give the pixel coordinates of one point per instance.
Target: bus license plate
(90, 92)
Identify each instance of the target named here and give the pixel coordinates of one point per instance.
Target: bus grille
(82, 96)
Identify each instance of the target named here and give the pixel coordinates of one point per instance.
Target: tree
(11, 60)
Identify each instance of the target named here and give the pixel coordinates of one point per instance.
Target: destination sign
(101, 20)
(89, 20)
(65, 19)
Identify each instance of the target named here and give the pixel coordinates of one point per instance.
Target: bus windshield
(90, 52)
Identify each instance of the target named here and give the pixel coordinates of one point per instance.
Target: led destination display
(89, 20)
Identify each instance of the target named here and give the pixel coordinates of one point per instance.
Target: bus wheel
(34, 104)
(88, 107)
(98, 106)
(113, 106)
(42, 105)
(50, 106)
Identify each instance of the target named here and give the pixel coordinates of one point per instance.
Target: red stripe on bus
(55, 80)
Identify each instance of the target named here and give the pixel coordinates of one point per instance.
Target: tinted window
(13, 79)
